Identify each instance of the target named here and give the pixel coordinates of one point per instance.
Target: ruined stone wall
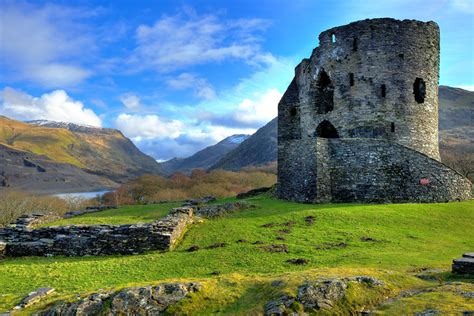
(81, 240)
(382, 171)
(297, 170)
(361, 79)
(365, 170)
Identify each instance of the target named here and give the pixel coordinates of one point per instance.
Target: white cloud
(467, 87)
(464, 6)
(260, 110)
(200, 86)
(40, 42)
(140, 127)
(187, 39)
(130, 100)
(54, 106)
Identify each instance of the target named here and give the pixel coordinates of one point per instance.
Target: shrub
(219, 183)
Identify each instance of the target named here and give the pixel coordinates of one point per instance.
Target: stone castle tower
(359, 122)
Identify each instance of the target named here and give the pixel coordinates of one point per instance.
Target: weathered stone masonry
(94, 240)
(359, 122)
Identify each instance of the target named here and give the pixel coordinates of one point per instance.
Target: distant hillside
(258, 149)
(21, 170)
(456, 120)
(456, 124)
(205, 158)
(101, 151)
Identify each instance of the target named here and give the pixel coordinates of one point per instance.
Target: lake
(85, 195)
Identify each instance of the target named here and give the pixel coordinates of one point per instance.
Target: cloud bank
(55, 106)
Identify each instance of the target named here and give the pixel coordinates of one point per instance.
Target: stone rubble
(148, 300)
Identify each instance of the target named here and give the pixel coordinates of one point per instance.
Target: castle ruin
(359, 121)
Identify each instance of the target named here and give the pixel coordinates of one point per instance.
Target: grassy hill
(101, 151)
(392, 242)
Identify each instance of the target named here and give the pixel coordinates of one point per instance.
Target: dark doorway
(326, 130)
(324, 94)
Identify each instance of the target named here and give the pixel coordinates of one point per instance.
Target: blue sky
(176, 76)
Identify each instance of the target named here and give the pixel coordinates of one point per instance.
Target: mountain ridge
(103, 152)
(204, 158)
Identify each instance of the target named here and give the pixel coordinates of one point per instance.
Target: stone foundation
(94, 240)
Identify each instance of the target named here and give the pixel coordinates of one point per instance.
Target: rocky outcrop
(320, 294)
(96, 240)
(464, 265)
(148, 300)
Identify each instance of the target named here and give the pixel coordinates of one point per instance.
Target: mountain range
(101, 157)
(204, 159)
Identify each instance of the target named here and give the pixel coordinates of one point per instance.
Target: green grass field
(392, 242)
(124, 215)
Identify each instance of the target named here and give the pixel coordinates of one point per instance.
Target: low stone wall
(81, 240)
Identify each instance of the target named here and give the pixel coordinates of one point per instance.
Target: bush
(219, 183)
(13, 204)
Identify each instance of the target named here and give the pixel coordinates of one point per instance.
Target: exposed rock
(309, 220)
(318, 295)
(217, 245)
(322, 294)
(34, 297)
(325, 294)
(275, 248)
(331, 245)
(279, 306)
(464, 265)
(217, 210)
(149, 300)
(428, 312)
(193, 248)
(298, 261)
(253, 192)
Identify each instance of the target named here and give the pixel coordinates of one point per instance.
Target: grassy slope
(39, 140)
(124, 215)
(409, 237)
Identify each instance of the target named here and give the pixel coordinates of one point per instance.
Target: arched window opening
(326, 130)
(293, 111)
(351, 79)
(324, 93)
(392, 127)
(333, 38)
(355, 44)
(383, 91)
(402, 56)
(323, 79)
(419, 89)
